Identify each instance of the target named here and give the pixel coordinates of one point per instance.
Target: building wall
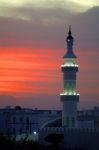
(82, 138)
(85, 139)
(19, 121)
(86, 124)
(38, 118)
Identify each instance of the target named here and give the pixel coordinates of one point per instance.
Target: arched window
(21, 119)
(20, 130)
(27, 120)
(67, 121)
(73, 121)
(14, 131)
(14, 120)
(27, 123)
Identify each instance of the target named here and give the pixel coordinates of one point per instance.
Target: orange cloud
(28, 71)
(38, 71)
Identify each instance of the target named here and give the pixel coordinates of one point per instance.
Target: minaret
(69, 97)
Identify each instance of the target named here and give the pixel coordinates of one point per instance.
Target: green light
(70, 93)
(69, 65)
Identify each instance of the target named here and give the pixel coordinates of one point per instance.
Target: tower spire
(69, 33)
(69, 43)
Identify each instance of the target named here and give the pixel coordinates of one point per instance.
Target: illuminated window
(68, 40)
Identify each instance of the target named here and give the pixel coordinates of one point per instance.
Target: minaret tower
(69, 97)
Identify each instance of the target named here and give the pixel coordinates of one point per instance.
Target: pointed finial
(69, 33)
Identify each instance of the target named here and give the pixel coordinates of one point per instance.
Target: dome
(54, 123)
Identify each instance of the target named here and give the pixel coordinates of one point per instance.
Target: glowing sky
(32, 44)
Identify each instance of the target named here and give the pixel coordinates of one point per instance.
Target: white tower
(69, 97)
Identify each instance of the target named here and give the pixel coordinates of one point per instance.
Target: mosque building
(78, 131)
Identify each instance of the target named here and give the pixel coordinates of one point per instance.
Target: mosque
(78, 131)
(70, 97)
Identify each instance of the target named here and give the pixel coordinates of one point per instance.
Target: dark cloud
(44, 30)
(86, 29)
(47, 28)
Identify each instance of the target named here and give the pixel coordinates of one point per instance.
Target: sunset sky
(32, 45)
